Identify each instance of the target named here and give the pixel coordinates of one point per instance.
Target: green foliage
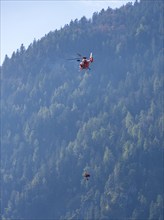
(58, 122)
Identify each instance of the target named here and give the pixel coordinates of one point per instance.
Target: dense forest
(57, 121)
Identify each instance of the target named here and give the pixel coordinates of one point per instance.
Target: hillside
(57, 122)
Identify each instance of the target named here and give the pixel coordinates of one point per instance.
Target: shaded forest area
(57, 122)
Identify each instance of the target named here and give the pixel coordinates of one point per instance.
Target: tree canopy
(57, 122)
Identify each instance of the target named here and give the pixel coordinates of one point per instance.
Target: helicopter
(84, 61)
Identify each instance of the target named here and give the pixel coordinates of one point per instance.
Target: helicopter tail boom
(91, 57)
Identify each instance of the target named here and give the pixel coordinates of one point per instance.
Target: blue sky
(22, 21)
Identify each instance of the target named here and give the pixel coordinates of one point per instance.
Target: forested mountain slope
(57, 122)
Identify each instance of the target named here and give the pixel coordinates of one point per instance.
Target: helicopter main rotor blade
(79, 55)
(77, 59)
(82, 57)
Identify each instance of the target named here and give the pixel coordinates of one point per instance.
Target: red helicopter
(84, 61)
